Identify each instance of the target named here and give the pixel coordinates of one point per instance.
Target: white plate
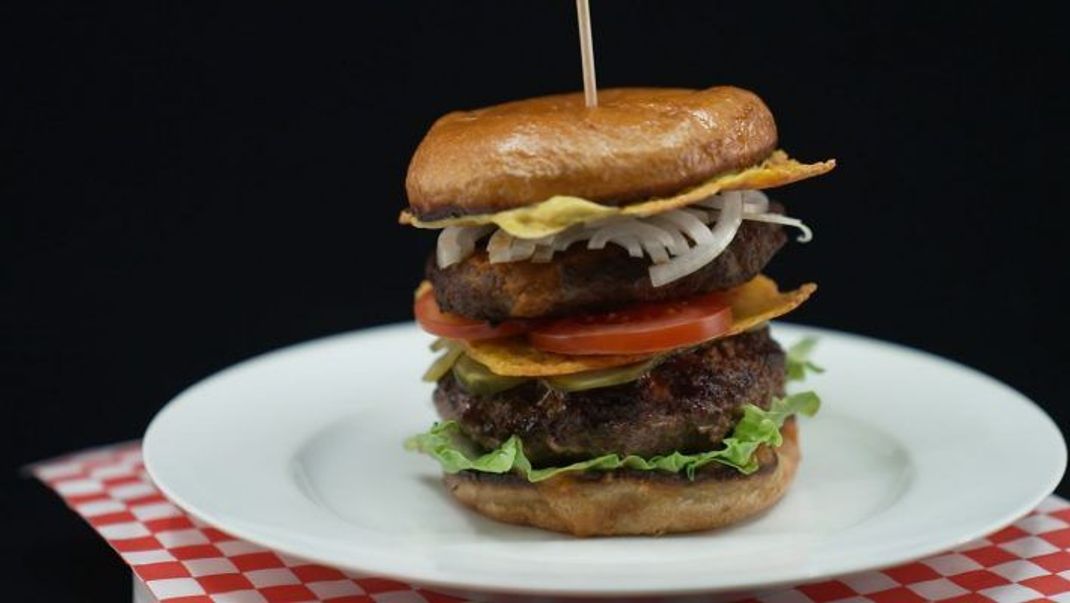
(300, 451)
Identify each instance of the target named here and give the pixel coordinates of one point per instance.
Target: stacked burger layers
(606, 366)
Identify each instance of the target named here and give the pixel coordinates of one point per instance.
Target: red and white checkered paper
(182, 560)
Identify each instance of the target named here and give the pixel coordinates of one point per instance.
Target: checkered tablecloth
(181, 560)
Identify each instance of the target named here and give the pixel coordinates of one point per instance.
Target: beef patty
(689, 402)
(590, 280)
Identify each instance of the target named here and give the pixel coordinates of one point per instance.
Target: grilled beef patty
(582, 280)
(689, 402)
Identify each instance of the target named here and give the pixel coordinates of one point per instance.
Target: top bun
(636, 144)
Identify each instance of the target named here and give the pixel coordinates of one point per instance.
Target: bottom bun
(623, 502)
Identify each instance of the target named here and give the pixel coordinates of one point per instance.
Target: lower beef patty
(689, 402)
(583, 280)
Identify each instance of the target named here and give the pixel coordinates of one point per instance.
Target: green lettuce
(455, 452)
(797, 360)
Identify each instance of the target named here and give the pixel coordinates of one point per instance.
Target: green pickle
(478, 380)
(617, 375)
(443, 363)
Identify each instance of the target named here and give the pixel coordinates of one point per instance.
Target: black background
(187, 186)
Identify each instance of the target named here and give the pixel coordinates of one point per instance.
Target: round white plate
(300, 450)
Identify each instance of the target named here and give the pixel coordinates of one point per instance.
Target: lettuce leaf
(797, 360)
(455, 452)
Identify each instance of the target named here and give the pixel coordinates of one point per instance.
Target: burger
(597, 291)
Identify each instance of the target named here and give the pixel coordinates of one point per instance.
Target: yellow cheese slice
(559, 212)
(515, 357)
(759, 300)
(753, 303)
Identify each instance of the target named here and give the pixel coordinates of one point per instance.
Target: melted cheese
(559, 212)
(753, 303)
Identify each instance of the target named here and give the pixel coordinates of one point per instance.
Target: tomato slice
(646, 328)
(444, 324)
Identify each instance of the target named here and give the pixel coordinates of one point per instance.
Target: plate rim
(906, 555)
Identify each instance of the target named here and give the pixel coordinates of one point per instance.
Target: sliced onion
(458, 242)
(563, 240)
(632, 244)
(498, 246)
(805, 237)
(658, 254)
(679, 241)
(698, 213)
(521, 249)
(754, 202)
(504, 247)
(727, 225)
(629, 228)
(695, 228)
(543, 254)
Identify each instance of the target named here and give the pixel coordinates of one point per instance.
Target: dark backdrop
(185, 187)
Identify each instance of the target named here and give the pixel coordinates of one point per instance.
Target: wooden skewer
(590, 87)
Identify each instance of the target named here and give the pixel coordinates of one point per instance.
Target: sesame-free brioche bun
(636, 144)
(618, 503)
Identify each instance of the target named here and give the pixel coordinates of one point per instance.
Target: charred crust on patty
(688, 403)
(581, 280)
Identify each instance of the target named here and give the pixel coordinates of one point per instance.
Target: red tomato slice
(641, 329)
(444, 324)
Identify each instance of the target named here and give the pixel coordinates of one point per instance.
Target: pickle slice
(577, 382)
(477, 379)
(445, 362)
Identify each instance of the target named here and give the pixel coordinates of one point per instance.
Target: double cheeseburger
(597, 291)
